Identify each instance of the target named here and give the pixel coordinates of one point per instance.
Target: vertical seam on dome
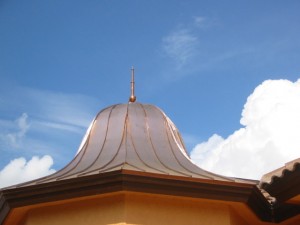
(155, 151)
(117, 153)
(151, 143)
(183, 166)
(125, 134)
(102, 168)
(101, 149)
(180, 152)
(86, 168)
(138, 155)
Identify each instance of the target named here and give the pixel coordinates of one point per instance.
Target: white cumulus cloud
(270, 136)
(19, 170)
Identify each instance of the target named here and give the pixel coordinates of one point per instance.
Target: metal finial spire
(132, 96)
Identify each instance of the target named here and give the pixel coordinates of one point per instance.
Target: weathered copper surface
(133, 136)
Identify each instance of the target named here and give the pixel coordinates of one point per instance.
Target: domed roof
(135, 137)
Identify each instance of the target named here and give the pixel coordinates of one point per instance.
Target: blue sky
(62, 61)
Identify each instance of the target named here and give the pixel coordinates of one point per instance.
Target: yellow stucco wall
(162, 210)
(143, 209)
(133, 208)
(99, 211)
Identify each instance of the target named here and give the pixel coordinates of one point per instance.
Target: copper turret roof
(132, 136)
(132, 147)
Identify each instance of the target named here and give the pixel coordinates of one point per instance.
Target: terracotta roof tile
(280, 173)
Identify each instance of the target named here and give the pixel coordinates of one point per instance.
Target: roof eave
(125, 180)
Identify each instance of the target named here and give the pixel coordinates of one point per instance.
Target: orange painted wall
(163, 210)
(100, 211)
(138, 208)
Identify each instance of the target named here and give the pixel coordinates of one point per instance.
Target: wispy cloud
(183, 44)
(194, 47)
(64, 111)
(180, 46)
(66, 108)
(57, 126)
(200, 21)
(14, 138)
(269, 138)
